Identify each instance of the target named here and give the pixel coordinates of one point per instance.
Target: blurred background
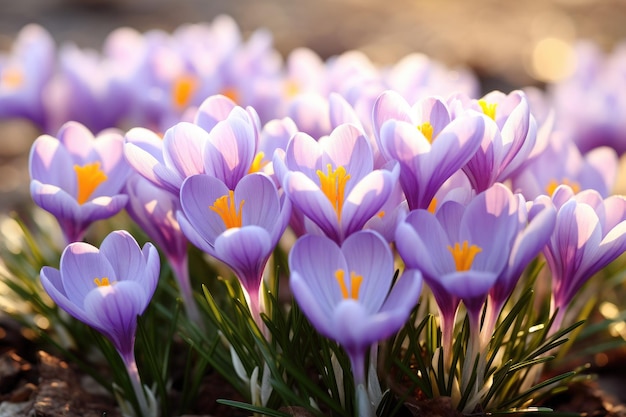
(513, 43)
(507, 45)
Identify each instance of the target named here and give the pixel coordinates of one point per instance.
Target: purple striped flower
(107, 289)
(462, 251)
(154, 210)
(332, 181)
(510, 135)
(77, 177)
(590, 233)
(562, 163)
(240, 227)
(221, 142)
(429, 145)
(346, 291)
(24, 74)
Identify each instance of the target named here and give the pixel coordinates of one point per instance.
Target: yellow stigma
(258, 163)
(104, 282)
(355, 284)
(333, 185)
(11, 77)
(88, 178)
(464, 255)
(225, 207)
(427, 130)
(432, 206)
(553, 184)
(488, 108)
(183, 89)
(291, 89)
(381, 214)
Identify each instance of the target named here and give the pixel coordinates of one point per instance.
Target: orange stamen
(333, 185)
(88, 178)
(224, 206)
(464, 255)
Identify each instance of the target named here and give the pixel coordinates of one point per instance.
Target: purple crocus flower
(78, 177)
(24, 74)
(597, 82)
(427, 143)
(154, 210)
(562, 163)
(462, 251)
(107, 289)
(221, 142)
(332, 181)
(240, 227)
(536, 220)
(590, 233)
(511, 132)
(347, 293)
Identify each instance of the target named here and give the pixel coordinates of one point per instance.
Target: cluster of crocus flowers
(454, 184)
(50, 84)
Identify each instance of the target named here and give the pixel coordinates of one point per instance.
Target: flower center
(183, 90)
(553, 184)
(432, 206)
(225, 207)
(231, 93)
(427, 130)
(355, 284)
(333, 186)
(104, 282)
(11, 77)
(258, 163)
(463, 255)
(291, 89)
(488, 108)
(88, 178)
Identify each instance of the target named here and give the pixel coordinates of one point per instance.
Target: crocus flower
(107, 289)
(221, 142)
(462, 252)
(347, 293)
(511, 132)
(427, 143)
(590, 233)
(562, 163)
(332, 181)
(590, 103)
(24, 74)
(239, 227)
(77, 177)
(154, 210)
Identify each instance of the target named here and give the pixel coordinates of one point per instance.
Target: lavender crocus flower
(154, 210)
(78, 177)
(590, 103)
(590, 233)
(427, 143)
(462, 251)
(511, 132)
(24, 74)
(346, 292)
(332, 181)
(107, 289)
(221, 142)
(239, 227)
(562, 163)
